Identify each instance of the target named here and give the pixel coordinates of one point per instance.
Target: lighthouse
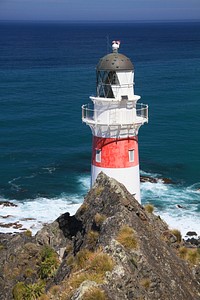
(115, 116)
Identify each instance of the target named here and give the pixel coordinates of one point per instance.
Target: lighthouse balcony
(115, 117)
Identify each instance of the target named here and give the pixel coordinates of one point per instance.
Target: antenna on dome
(115, 46)
(108, 43)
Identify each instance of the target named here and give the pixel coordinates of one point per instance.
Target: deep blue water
(47, 71)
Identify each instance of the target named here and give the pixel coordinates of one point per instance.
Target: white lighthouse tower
(115, 117)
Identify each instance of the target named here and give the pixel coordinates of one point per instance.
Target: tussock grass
(92, 238)
(127, 238)
(82, 258)
(87, 265)
(190, 255)
(83, 208)
(149, 208)
(44, 297)
(145, 282)
(99, 190)
(177, 234)
(99, 219)
(94, 294)
(28, 233)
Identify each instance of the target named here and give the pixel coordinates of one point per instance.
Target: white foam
(177, 205)
(32, 214)
(184, 223)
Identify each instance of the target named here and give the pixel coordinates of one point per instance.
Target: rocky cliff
(112, 248)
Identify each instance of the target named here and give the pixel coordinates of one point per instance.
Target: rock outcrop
(112, 248)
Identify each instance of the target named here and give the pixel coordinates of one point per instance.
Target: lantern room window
(105, 80)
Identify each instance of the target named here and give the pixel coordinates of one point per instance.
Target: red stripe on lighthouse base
(117, 158)
(115, 153)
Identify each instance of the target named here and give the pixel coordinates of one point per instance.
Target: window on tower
(98, 155)
(105, 80)
(131, 155)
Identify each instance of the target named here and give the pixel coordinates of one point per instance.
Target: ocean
(47, 71)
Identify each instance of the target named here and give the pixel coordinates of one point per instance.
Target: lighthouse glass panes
(115, 119)
(105, 79)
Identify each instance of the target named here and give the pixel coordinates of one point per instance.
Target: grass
(99, 219)
(127, 238)
(28, 233)
(145, 282)
(94, 294)
(190, 255)
(87, 265)
(149, 208)
(29, 272)
(99, 190)
(92, 238)
(83, 208)
(81, 260)
(177, 234)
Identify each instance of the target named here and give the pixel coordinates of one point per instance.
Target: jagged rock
(145, 266)
(191, 233)
(156, 180)
(84, 287)
(7, 203)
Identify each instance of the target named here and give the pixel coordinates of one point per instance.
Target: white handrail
(89, 115)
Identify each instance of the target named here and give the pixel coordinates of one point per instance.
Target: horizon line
(106, 21)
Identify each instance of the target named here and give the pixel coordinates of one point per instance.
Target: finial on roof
(115, 46)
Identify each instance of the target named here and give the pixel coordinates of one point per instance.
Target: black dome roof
(114, 61)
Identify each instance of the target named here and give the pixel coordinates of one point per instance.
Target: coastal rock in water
(7, 203)
(191, 233)
(110, 249)
(156, 180)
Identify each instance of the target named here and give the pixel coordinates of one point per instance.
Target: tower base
(130, 177)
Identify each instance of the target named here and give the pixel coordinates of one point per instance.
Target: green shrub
(19, 291)
(49, 263)
(22, 291)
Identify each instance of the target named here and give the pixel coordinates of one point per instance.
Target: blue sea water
(47, 71)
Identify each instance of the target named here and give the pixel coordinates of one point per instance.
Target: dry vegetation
(149, 208)
(192, 255)
(127, 238)
(86, 265)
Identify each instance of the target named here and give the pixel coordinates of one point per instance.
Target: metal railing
(89, 115)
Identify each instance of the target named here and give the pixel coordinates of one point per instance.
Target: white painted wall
(130, 177)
